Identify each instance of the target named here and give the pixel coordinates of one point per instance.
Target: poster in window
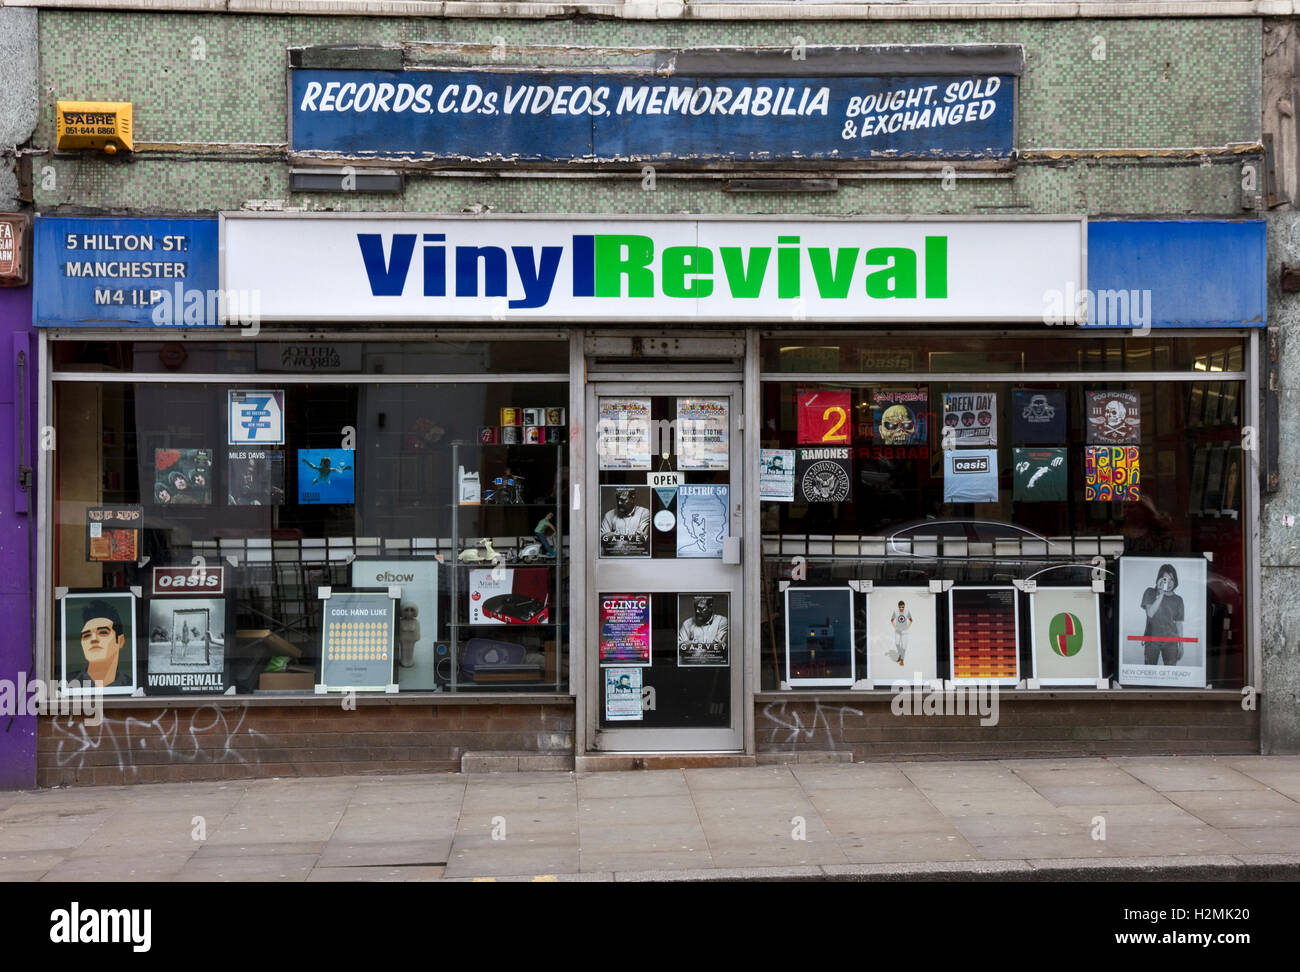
(326, 476)
(97, 636)
(255, 417)
(970, 419)
(825, 417)
(983, 635)
(702, 433)
(1114, 418)
(255, 477)
(512, 595)
(824, 474)
(357, 634)
(187, 646)
(1040, 474)
(1038, 417)
(625, 629)
(1065, 629)
(703, 520)
(113, 533)
(776, 475)
(703, 631)
(625, 521)
(1162, 622)
(970, 476)
(900, 423)
(819, 636)
(182, 476)
(623, 433)
(417, 612)
(623, 695)
(1111, 474)
(902, 642)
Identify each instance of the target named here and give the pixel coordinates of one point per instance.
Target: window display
(349, 484)
(1075, 485)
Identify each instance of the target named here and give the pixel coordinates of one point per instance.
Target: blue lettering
(538, 281)
(584, 266)
(494, 271)
(386, 281)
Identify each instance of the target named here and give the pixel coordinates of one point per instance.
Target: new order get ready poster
(357, 632)
(623, 695)
(819, 640)
(776, 475)
(902, 626)
(625, 521)
(970, 419)
(1040, 474)
(255, 477)
(703, 519)
(255, 417)
(182, 476)
(702, 434)
(623, 433)
(1038, 417)
(1162, 625)
(326, 476)
(970, 476)
(417, 613)
(113, 533)
(625, 629)
(187, 646)
(97, 637)
(514, 595)
(1065, 626)
(1114, 418)
(703, 631)
(824, 474)
(1111, 474)
(984, 635)
(825, 417)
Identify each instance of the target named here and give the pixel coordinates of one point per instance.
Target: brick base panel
(232, 741)
(870, 729)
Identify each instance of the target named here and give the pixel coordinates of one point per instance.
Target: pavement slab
(1182, 773)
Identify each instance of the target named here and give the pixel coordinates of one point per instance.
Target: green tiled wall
(1168, 83)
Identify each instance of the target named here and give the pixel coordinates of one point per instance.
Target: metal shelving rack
(557, 604)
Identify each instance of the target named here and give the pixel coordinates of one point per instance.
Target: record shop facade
(616, 433)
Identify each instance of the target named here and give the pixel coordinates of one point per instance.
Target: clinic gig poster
(1162, 621)
(625, 629)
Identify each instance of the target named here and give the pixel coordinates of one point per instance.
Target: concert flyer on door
(625, 629)
(702, 434)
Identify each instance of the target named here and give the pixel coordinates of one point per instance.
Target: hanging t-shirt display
(824, 417)
(1038, 417)
(1114, 417)
(1039, 474)
(970, 419)
(970, 476)
(824, 474)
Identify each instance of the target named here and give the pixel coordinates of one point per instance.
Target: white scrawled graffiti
(788, 728)
(207, 736)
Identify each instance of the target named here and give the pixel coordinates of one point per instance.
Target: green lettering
(745, 282)
(787, 268)
(618, 256)
(936, 266)
(898, 279)
(833, 284)
(681, 262)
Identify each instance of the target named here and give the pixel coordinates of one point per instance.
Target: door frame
(731, 739)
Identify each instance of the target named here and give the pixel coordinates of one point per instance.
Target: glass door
(664, 567)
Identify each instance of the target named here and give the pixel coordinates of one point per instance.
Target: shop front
(404, 492)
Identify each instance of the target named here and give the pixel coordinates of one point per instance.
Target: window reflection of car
(903, 540)
(516, 609)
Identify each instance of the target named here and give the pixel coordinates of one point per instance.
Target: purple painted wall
(17, 734)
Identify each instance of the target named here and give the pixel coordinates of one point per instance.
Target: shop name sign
(496, 116)
(413, 269)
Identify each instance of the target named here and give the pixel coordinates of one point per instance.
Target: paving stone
(112, 868)
(1188, 774)
(280, 867)
(339, 874)
(938, 845)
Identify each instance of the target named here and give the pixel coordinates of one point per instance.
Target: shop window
(927, 514)
(276, 537)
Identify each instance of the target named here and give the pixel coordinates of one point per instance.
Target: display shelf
(551, 629)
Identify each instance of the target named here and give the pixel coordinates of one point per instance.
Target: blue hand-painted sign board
(137, 272)
(627, 117)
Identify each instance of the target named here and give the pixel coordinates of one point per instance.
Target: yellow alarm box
(102, 125)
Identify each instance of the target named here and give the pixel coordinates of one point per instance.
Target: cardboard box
(287, 681)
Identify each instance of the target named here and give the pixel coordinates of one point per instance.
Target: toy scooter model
(531, 553)
(472, 555)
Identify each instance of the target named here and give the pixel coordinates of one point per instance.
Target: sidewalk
(1178, 818)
